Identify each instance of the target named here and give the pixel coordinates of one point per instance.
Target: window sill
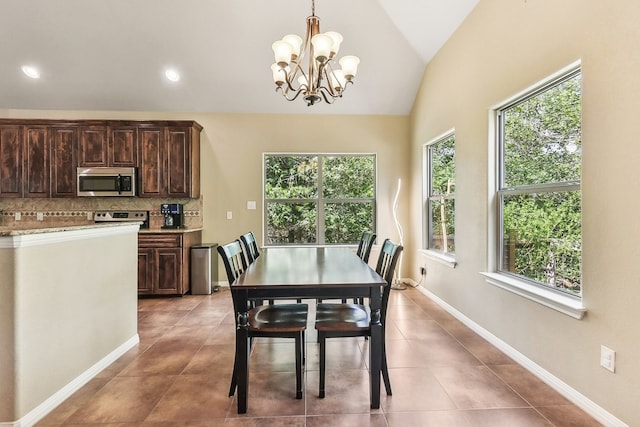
(565, 304)
(440, 257)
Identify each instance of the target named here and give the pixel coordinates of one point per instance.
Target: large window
(440, 200)
(318, 198)
(539, 158)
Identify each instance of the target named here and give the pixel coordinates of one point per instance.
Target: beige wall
(502, 48)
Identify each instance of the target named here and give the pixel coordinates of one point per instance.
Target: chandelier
(322, 80)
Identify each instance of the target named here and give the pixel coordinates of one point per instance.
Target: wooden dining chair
(271, 321)
(251, 247)
(366, 243)
(364, 250)
(335, 320)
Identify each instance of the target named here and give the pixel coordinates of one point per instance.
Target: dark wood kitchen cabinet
(170, 160)
(163, 262)
(110, 145)
(36, 173)
(64, 140)
(11, 160)
(24, 161)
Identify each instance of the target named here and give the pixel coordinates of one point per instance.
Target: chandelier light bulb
(349, 66)
(296, 43)
(279, 74)
(337, 40)
(322, 44)
(282, 52)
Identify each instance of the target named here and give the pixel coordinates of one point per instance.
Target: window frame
(320, 201)
(448, 258)
(563, 302)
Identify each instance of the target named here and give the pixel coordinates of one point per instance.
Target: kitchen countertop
(168, 230)
(24, 230)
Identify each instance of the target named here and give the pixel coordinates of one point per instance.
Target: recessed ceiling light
(31, 71)
(172, 75)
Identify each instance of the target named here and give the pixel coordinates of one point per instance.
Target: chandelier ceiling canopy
(322, 79)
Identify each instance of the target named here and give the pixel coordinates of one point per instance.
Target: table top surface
(308, 267)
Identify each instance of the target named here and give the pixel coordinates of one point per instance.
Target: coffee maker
(173, 215)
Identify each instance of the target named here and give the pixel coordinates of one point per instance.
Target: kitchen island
(68, 309)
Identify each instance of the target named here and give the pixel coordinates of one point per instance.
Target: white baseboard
(61, 395)
(580, 400)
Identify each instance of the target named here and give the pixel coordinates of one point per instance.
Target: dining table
(294, 273)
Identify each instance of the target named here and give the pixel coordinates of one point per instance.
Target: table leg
(242, 352)
(375, 351)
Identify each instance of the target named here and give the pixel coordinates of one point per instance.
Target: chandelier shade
(322, 79)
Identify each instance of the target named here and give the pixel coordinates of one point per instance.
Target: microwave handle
(119, 184)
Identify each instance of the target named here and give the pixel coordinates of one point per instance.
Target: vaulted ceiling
(111, 54)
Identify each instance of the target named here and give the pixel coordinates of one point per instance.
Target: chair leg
(234, 381)
(299, 357)
(385, 369)
(304, 347)
(322, 340)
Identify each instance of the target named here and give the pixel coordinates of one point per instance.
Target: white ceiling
(111, 54)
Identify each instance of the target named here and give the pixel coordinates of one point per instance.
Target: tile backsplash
(79, 211)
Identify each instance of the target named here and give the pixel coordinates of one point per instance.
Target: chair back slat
(389, 254)
(234, 264)
(365, 245)
(249, 241)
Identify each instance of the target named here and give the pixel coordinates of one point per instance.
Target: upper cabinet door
(108, 145)
(37, 177)
(151, 146)
(93, 146)
(178, 161)
(11, 144)
(123, 146)
(64, 140)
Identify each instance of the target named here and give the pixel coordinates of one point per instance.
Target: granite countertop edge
(6, 231)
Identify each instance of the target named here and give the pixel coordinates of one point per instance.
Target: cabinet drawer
(160, 240)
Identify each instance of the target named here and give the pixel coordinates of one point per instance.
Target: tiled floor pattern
(442, 374)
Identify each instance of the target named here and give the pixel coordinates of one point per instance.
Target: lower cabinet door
(145, 271)
(169, 271)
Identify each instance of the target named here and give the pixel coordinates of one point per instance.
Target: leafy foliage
(298, 212)
(441, 198)
(541, 205)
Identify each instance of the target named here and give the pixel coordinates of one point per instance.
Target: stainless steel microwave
(104, 181)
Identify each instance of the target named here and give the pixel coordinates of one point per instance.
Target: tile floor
(442, 374)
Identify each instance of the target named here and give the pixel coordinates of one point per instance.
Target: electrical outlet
(607, 358)
(18, 216)
(89, 216)
(229, 215)
(40, 216)
(423, 271)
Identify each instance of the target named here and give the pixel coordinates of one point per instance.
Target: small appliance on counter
(173, 215)
(122, 216)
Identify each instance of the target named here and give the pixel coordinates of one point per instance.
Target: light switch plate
(229, 215)
(251, 205)
(607, 358)
(18, 216)
(39, 216)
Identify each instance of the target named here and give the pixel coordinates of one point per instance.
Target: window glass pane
(348, 177)
(542, 240)
(443, 224)
(291, 177)
(289, 223)
(345, 222)
(443, 166)
(542, 137)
